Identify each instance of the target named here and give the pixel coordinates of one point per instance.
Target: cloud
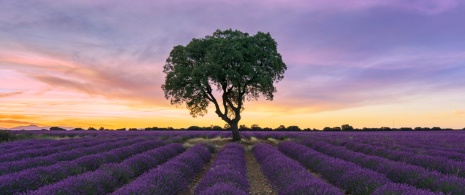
(10, 94)
(15, 122)
(340, 54)
(15, 116)
(458, 113)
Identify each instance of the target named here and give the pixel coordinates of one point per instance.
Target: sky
(393, 63)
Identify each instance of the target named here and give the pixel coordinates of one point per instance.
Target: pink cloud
(10, 94)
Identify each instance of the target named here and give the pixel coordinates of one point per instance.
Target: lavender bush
(229, 168)
(109, 177)
(287, 175)
(31, 179)
(351, 177)
(223, 189)
(171, 177)
(397, 171)
(65, 145)
(437, 163)
(401, 189)
(15, 166)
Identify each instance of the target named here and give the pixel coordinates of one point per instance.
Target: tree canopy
(239, 66)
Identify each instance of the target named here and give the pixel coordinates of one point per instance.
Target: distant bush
(244, 128)
(293, 128)
(57, 129)
(194, 128)
(347, 127)
(332, 129)
(217, 128)
(5, 136)
(280, 128)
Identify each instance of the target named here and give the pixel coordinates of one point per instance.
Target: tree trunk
(235, 132)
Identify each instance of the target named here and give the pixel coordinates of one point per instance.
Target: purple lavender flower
(229, 168)
(171, 177)
(349, 176)
(401, 189)
(108, 177)
(223, 189)
(31, 179)
(285, 173)
(397, 171)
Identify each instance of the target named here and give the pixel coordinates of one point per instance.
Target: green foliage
(240, 66)
(57, 129)
(255, 127)
(5, 136)
(244, 128)
(347, 127)
(293, 128)
(280, 128)
(216, 128)
(194, 128)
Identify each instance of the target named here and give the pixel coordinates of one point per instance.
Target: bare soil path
(257, 181)
(195, 182)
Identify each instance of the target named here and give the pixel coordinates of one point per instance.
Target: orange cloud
(10, 94)
(15, 122)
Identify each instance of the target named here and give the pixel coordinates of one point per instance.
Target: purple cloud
(366, 52)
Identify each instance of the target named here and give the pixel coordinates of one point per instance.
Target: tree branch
(212, 98)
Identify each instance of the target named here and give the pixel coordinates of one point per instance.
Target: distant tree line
(347, 127)
(256, 127)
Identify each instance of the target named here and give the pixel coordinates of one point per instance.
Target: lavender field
(207, 163)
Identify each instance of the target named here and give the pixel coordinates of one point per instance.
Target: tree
(327, 129)
(293, 128)
(57, 129)
(255, 127)
(216, 128)
(230, 64)
(6, 136)
(194, 128)
(347, 127)
(280, 128)
(244, 128)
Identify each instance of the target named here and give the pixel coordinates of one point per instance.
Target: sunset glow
(364, 63)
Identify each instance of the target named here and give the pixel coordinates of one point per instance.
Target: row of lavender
(47, 148)
(99, 134)
(447, 141)
(287, 175)
(351, 177)
(396, 171)
(66, 155)
(376, 174)
(171, 177)
(439, 159)
(107, 164)
(110, 176)
(36, 177)
(227, 174)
